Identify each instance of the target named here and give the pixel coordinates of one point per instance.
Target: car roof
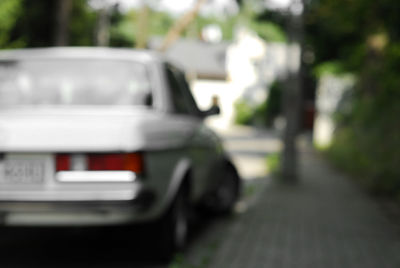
(144, 56)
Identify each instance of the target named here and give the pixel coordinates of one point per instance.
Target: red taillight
(134, 162)
(131, 161)
(62, 162)
(105, 162)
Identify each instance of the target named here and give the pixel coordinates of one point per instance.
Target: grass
(179, 261)
(273, 163)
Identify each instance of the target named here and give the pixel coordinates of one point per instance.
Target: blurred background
(326, 70)
(339, 60)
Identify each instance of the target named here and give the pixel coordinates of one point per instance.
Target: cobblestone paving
(323, 221)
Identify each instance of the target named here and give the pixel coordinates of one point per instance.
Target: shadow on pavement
(127, 246)
(76, 247)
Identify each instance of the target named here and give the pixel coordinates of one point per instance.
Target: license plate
(22, 172)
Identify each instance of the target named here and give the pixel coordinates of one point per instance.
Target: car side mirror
(214, 109)
(148, 101)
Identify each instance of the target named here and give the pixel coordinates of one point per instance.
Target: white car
(100, 136)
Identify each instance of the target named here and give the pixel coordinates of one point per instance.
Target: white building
(243, 68)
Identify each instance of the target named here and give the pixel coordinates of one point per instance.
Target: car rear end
(66, 153)
(71, 189)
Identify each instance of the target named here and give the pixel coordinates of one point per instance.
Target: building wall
(330, 98)
(252, 65)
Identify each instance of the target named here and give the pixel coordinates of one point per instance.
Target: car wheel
(226, 193)
(174, 226)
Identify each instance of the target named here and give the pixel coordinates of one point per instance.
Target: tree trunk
(292, 100)
(103, 25)
(63, 12)
(143, 27)
(291, 106)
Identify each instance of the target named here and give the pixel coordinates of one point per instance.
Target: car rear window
(74, 82)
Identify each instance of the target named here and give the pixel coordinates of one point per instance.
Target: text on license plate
(22, 172)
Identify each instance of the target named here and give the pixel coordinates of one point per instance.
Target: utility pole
(292, 94)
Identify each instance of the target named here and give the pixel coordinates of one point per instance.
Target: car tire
(226, 194)
(173, 227)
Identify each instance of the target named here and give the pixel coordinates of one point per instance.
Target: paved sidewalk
(324, 221)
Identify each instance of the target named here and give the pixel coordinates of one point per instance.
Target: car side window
(191, 103)
(178, 98)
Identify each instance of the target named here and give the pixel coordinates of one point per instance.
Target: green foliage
(279, 18)
(367, 141)
(10, 10)
(329, 67)
(266, 24)
(82, 24)
(243, 112)
(226, 24)
(363, 38)
(274, 102)
(273, 163)
(122, 30)
(25, 23)
(262, 114)
(369, 156)
(268, 31)
(125, 29)
(35, 23)
(266, 112)
(343, 36)
(160, 23)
